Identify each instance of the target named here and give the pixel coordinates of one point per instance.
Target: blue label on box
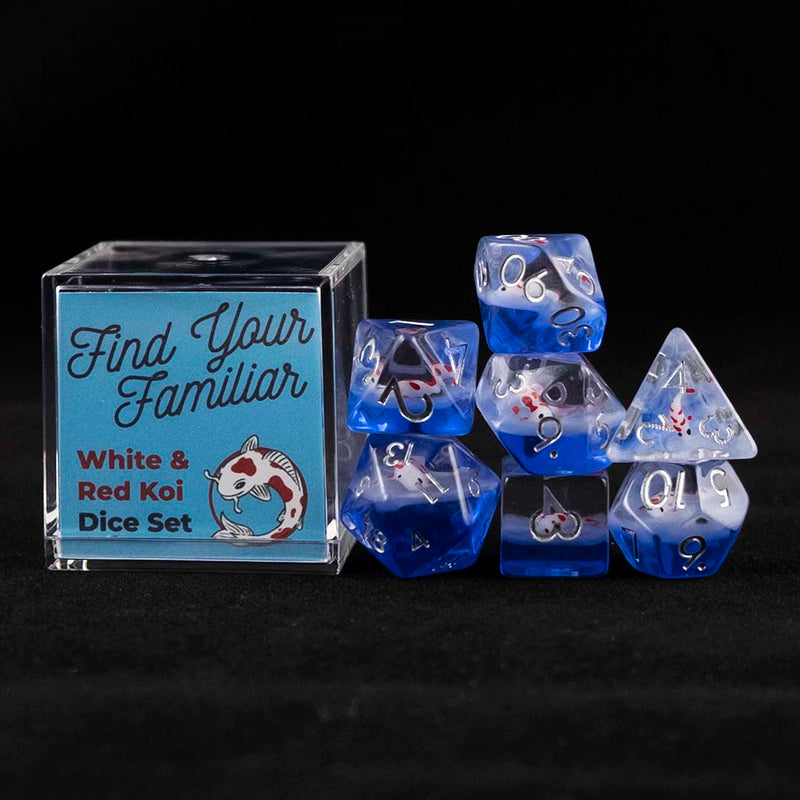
(191, 425)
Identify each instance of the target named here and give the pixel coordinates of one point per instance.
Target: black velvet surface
(365, 685)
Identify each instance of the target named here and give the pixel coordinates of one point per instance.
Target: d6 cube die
(539, 294)
(420, 504)
(553, 526)
(554, 414)
(678, 520)
(414, 377)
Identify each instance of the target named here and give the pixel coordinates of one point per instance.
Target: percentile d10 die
(539, 294)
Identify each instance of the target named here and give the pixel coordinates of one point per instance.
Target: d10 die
(554, 414)
(420, 504)
(539, 294)
(414, 377)
(554, 526)
(678, 520)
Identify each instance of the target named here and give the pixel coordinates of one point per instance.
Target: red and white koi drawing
(545, 525)
(530, 404)
(680, 420)
(554, 521)
(257, 471)
(417, 478)
(411, 388)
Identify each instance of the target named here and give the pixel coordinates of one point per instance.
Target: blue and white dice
(420, 504)
(414, 377)
(553, 413)
(539, 294)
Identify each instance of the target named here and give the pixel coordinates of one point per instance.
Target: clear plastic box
(195, 401)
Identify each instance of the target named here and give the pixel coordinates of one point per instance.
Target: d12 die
(414, 377)
(554, 414)
(539, 294)
(420, 504)
(678, 520)
(680, 413)
(553, 526)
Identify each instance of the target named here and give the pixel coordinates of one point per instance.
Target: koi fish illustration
(411, 387)
(415, 477)
(678, 419)
(554, 521)
(530, 405)
(257, 471)
(412, 370)
(548, 526)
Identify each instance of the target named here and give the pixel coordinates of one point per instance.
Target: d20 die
(539, 294)
(680, 413)
(553, 526)
(554, 414)
(678, 520)
(413, 377)
(420, 504)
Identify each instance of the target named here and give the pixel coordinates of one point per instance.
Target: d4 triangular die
(680, 413)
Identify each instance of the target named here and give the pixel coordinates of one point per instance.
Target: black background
(667, 136)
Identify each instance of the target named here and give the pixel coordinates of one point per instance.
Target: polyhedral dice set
(229, 404)
(422, 503)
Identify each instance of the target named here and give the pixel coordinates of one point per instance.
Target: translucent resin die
(539, 294)
(554, 414)
(678, 520)
(680, 413)
(553, 527)
(420, 504)
(414, 377)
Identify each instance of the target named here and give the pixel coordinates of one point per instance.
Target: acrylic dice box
(195, 399)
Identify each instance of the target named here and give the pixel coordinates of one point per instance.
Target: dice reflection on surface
(553, 526)
(678, 520)
(420, 504)
(554, 414)
(414, 377)
(539, 294)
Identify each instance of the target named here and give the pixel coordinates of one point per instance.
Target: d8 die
(414, 377)
(539, 294)
(678, 520)
(553, 526)
(554, 414)
(420, 504)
